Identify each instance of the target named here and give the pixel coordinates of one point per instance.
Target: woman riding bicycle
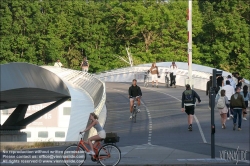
(101, 132)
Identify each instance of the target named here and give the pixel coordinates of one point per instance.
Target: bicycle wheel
(74, 155)
(134, 115)
(109, 155)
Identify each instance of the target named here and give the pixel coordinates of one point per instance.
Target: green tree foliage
(41, 31)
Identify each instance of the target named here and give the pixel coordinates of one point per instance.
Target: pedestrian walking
(246, 96)
(222, 107)
(234, 78)
(209, 85)
(188, 101)
(220, 83)
(154, 73)
(238, 105)
(229, 92)
(231, 80)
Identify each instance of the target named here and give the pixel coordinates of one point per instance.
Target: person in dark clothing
(240, 80)
(220, 83)
(209, 85)
(188, 100)
(134, 93)
(237, 103)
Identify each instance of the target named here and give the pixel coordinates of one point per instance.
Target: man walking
(238, 105)
(154, 73)
(188, 100)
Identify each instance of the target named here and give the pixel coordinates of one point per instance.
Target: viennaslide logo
(234, 155)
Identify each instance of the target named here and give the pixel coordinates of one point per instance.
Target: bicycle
(146, 79)
(107, 154)
(167, 80)
(135, 111)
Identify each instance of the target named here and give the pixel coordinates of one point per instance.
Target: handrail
(94, 87)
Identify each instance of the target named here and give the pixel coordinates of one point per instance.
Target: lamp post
(189, 22)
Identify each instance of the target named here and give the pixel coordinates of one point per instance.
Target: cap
(229, 76)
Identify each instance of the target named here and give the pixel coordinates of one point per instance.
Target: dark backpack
(189, 97)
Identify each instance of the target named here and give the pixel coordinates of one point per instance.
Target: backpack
(221, 103)
(188, 96)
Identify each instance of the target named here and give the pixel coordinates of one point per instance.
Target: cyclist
(101, 132)
(134, 92)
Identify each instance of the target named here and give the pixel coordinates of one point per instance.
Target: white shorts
(154, 77)
(102, 134)
(133, 98)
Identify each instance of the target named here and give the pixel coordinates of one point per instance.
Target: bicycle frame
(96, 147)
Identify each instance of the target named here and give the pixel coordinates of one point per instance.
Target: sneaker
(223, 126)
(130, 117)
(231, 116)
(228, 118)
(234, 126)
(239, 129)
(190, 128)
(138, 110)
(90, 152)
(244, 118)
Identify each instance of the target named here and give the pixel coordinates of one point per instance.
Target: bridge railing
(92, 86)
(199, 78)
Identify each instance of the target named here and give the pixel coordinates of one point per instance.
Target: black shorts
(189, 110)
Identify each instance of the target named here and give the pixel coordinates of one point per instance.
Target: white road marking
(196, 119)
(149, 117)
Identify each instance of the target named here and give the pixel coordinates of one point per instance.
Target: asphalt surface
(169, 125)
(160, 135)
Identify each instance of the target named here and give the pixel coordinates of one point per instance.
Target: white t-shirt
(229, 91)
(58, 64)
(173, 69)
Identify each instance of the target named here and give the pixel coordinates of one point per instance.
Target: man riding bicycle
(134, 92)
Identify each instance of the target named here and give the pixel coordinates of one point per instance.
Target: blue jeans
(237, 112)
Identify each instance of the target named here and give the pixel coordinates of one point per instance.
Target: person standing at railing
(173, 70)
(58, 63)
(154, 73)
(246, 96)
(85, 65)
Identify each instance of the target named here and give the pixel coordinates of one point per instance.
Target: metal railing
(91, 85)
